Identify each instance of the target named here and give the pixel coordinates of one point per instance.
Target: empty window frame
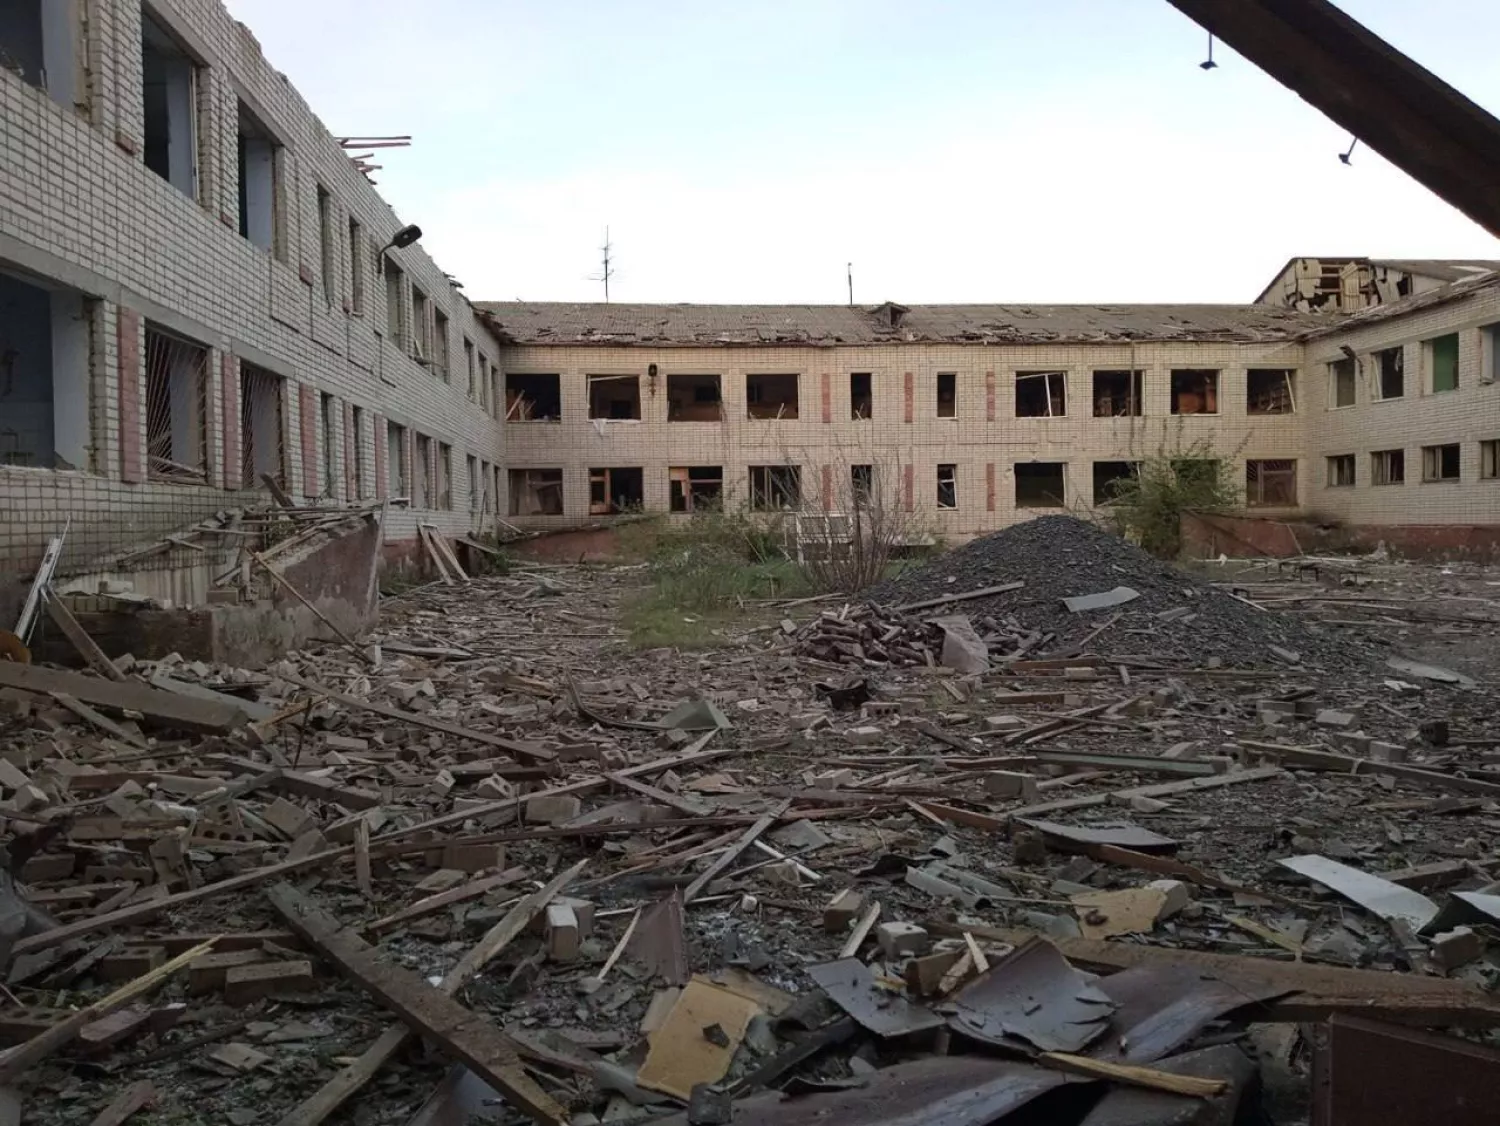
(695, 488)
(356, 455)
(1390, 371)
(1341, 471)
(1442, 362)
(395, 460)
(612, 491)
(1040, 484)
(1195, 391)
(489, 386)
(169, 106)
(536, 492)
(694, 398)
(1110, 477)
(615, 397)
(1270, 391)
(260, 158)
(1195, 472)
(1388, 467)
(176, 407)
(328, 253)
(1489, 359)
(471, 465)
(532, 398)
(357, 267)
(472, 370)
(327, 414)
(395, 302)
(421, 471)
(1118, 394)
(1041, 394)
(1271, 483)
(440, 345)
(862, 485)
(421, 326)
(36, 42)
(947, 394)
(499, 477)
(1341, 383)
(861, 395)
(947, 485)
(771, 396)
(775, 487)
(46, 341)
(443, 485)
(1440, 463)
(262, 434)
(1489, 459)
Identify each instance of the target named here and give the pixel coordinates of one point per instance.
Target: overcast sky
(955, 151)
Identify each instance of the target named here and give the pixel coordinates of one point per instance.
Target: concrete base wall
(1207, 537)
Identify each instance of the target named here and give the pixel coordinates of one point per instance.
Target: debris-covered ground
(1028, 864)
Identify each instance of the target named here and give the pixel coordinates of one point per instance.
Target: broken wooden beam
(166, 709)
(87, 647)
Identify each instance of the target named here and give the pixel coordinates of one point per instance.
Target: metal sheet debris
(1082, 603)
(1161, 1008)
(1036, 996)
(1121, 836)
(1379, 896)
(1429, 672)
(852, 987)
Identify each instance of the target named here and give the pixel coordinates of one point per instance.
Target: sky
(956, 151)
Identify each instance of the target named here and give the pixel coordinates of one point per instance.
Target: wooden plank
(463, 1036)
(685, 806)
(102, 722)
(165, 708)
(306, 785)
(428, 904)
(87, 647)
(362, 858)
(439, 563)
(728, 857)
(137, 1096)
(286, 585)
(982, 592)
(440, 548)
(278, 494)
(1300, 758)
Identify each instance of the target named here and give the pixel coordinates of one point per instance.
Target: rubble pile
(1151, 606)
(491, 861)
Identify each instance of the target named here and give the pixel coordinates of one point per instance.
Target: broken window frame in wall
(1441, 355)
(44, 54)
(1489, 459)
(616, 489)
(358, 487)
(327, 416)
(471, 469)
(610, 395)
(1343, 383)
(396, 485)
(1489, 353)
(1035, 493)
(773, 396)
(419, 340)
(327, 249)
(421, 472)
(775, 488)
(1201, 384)
(1106, 477)
(260, 159)
(861, 396)
(1110, 402)
(1341, 471)
(947, 394)
(526, 399)
(1042, 394)
(694, 487)
(1443, 462)
(395, 302)
(441, 329)
(176, 407)
(47, 348)
(472, 366)
(864, 485)
(1390, 373)
(357, 268)
(171, 144)
(443, 486)
(1388, 467)
(947, 485)
(1270, 391)
(544, 487)
(1271, 483)
(695, 398)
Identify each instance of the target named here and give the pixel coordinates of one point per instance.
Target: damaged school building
(200, 293)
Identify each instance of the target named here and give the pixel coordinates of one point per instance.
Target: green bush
(1147, 507)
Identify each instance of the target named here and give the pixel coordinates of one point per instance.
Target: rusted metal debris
(1034, 996)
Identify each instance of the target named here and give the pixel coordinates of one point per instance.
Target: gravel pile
(1177, 616)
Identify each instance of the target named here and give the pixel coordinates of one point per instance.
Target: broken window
(1341, 382)
(356, 266)
(947, 486)
(327, 250)
(1271, 483)
(1390, 366)
(695, 487)
(36, 42)
(1195, 391)
(471, 463)
(775, 487)
(616, 490)
(1388, 467)
(259, 159)
(470, 368)
(443, 486)
(615, 397)
(947, 394)
(1110, 477)
(536, 492)
(771, 396)
(327, 412)
(1489, 346)
(1197, 472)
(489, 386)
(440, 345)
(176, 407)
(1440, 463)
(395, 306)
(421, 469)
(1442, 361)
(356, 457)
(169, 104)
(395, 460)
(1039, 484)
(861, 395)
(1270, 391)
(46, 342)
(1118, 394)
(1489, 459)
(421, 327)
(862, 485)
(1341, 471)
(1041, 394)
(694, 398)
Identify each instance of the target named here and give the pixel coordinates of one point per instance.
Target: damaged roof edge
(1453, 291)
